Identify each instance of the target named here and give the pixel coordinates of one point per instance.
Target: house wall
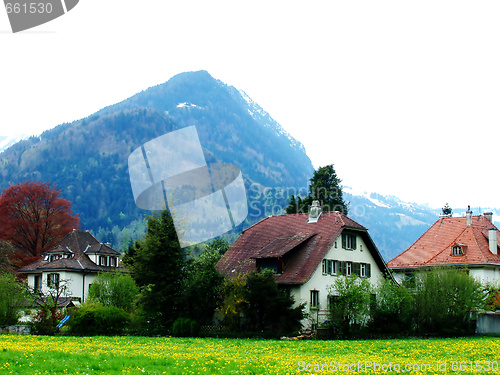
(321, 282)
(486, 275)
(76, 280)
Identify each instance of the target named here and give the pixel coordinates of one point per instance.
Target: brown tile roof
(300, 245)
(280, 246)
(435, 246)
(79, 243)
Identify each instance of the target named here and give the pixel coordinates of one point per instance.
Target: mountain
(7, 141)
(88, 159)
(238, 130)
(393, 224)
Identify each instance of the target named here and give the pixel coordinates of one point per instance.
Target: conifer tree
(325, 187)
(156, 262)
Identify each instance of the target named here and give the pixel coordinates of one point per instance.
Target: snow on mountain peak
(6, 141)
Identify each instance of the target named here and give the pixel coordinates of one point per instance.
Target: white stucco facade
(486, 274)
(77, 283)
(321, 282)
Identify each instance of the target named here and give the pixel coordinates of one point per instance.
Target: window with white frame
(103, 260)
(53, 280)
(348, 268)
(330, 267)
(314, 298)
(362, 270)
(349, 241)
(457, 250)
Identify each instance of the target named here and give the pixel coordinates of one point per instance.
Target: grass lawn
(165, 355)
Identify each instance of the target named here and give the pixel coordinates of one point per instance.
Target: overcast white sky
(402, 97)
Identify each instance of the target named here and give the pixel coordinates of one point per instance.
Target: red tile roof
(435, 246)
(79, 243)
(300, 245)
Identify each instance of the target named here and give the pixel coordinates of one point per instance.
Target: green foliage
(202, 284)
(444, 298)
(325, 187)
(185, 327)
(233, 303)
(12, 297)
(97, 319)
(156, 263)
(393, 309)
(349, 306)
(269, 308)
(114, 289)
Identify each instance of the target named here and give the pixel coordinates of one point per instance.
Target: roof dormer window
(457, 250)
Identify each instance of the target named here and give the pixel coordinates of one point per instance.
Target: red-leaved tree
(34, 218)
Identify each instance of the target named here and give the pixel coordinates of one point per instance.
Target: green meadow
(166, 355)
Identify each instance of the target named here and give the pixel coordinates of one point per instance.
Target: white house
(77, 259)
(470, 241)
(307, 253)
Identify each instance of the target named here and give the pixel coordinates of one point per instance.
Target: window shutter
(354, 242)
(344, 241)
(342, 268)
(368, 270)
(356, 268)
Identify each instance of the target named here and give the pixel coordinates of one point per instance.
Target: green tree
(156, 262)
(325, 187)
(444, 298)
(114, 289)
(203, 284)
(12, 297)
(349, 306)
(393, 309)
(268, 307)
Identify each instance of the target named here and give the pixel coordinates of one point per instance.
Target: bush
(114, 289)
(393, 310)
(184, 327)
(349, 309)
(97, 319)
(12, 298)
(444, 300)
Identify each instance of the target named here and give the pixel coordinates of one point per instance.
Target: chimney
(492, 236)
(314, 212)
(489, 216)
(468, 215)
